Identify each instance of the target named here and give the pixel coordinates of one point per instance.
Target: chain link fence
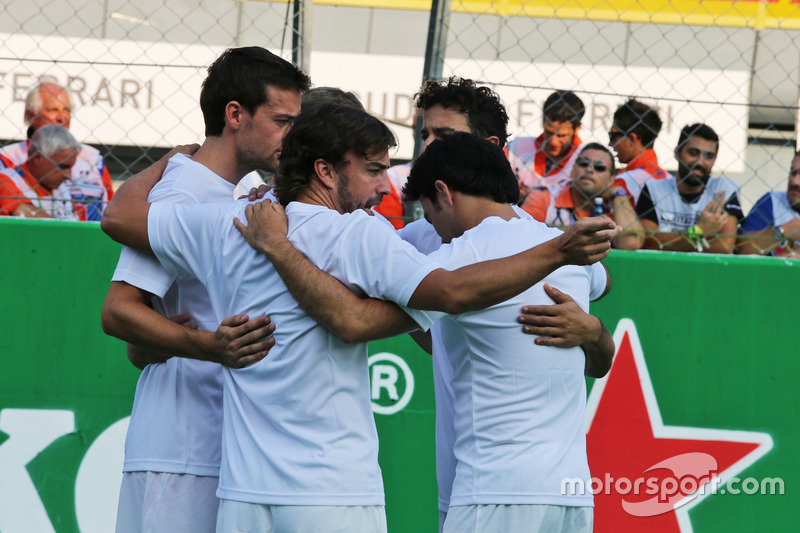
(134, 69)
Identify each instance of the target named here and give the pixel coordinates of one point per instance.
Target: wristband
(697, 237)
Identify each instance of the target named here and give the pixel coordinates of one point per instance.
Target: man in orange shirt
(37, 188)
(90, 183)
(592, 185)
(547, 160)
(632, 135)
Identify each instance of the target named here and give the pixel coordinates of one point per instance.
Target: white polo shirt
(518, 406)
(298, 427)
(176, 422)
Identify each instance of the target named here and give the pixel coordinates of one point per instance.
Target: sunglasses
(614, 136)
(598, 166)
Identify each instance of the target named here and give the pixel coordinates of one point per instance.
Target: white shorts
(518, 519)
(170, 503)
(442, 518)
(242, 517)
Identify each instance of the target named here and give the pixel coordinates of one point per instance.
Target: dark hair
(486, 114)
(330, 95)
(328, 132)
(699, 130)
(635, 117)
(564, 106)
(602, 148)
(466, 163)
(243, 75)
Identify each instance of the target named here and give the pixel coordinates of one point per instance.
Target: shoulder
(723, 183)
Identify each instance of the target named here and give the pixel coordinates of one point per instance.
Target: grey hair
(51, 139)
(33, 100)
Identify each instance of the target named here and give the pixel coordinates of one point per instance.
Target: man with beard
(773, 225)
(691, 212)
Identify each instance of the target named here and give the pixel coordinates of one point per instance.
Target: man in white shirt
(518, 406)
(299, 443)
(173, 446)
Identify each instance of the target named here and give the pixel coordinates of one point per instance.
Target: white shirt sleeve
(182, 236)
(599, 279)
(370, 256)
(143, 271)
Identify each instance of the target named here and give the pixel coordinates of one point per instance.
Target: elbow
(108, 321)
(353, 332)
(109, 223)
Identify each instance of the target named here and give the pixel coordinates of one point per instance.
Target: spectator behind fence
(692, 211)
(773, 225)
(632, 135)
(546, 161)
(90, 183)
(37, 188)
(591, 191)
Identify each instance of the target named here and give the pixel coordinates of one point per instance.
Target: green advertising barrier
(702, 391)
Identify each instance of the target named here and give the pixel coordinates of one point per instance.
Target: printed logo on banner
(392, 383)
(648, 475)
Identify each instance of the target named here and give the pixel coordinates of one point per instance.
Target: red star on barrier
(646, 476)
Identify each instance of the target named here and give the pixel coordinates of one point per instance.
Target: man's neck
(317, 194)
(219, 156)
(688, 190)
(472, 210)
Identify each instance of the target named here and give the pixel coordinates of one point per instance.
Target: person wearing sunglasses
(632, 135)
(592, 184)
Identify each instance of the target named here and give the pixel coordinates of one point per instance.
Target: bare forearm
(127, 316)
(757, 242)
(335, 307)
(488, 283)
(599, 354)
(632, 236)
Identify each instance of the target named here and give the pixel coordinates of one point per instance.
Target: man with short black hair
(773, 225)
(172, 451)
(691, 211)
(632, 136)
(546, 161)
(592, 186)
(518, 415)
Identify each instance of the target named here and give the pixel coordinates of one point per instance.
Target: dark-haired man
(518, 417)
(592, 178)
(172, 451)
(632, 136)
(691, 211)
(546, 161)
(298, 426)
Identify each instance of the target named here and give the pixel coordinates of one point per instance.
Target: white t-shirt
(176, 423)
(298, 427)
(518, 406)
(423, 236)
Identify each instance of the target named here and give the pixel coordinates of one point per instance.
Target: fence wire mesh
(134, 69)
